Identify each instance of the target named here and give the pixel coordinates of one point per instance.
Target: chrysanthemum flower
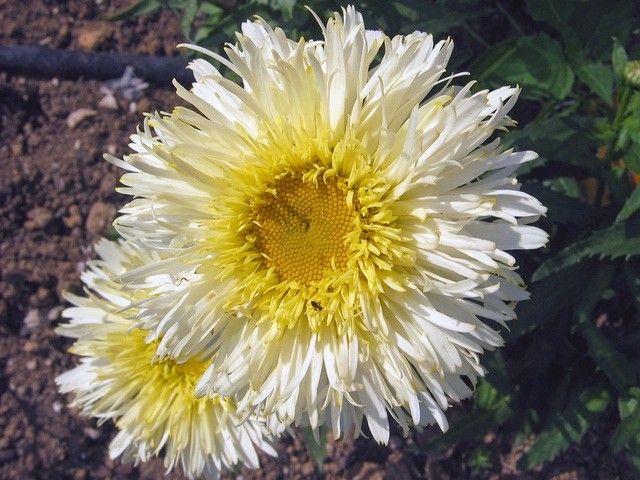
(348, 221)
(152, 403)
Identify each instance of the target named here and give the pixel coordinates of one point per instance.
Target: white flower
(152, 403)
(345, 221)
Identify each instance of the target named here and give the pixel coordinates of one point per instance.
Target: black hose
(68, 64)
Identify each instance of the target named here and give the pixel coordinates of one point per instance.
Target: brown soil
(57, 198)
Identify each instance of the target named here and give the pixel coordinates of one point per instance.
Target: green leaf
(587, 27)
(631, 206)
(633, 110)
(440, 18)
(563, 208)
(285, 7)
(613, 363)
(620, 240)
(632, 275)
(562, 287)
(599, 78)
(632, 157)
(188, 17)
(569, 141)
(602, 274)
(634, 461)
(628, 429)
(567, 425)
(537, 63)
(618, 58)
(136, 9)
(556, 14)
(473, 426)
(497, 376)
(628, 402)
(567, 186)
(490, 410)
(487, 396)
(480, 459)
(317, 448)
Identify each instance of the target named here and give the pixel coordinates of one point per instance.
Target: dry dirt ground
(57, 198)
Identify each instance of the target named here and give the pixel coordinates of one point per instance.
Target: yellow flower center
(133, 349)
(192, 369)
(301, 227)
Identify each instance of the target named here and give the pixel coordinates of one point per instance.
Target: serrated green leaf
(620, 240)
(599, 78)
(631, 206)
(562, 287)
(567, 426)
(537, 63)
(138, 8)
(487, 396)
(628, 429)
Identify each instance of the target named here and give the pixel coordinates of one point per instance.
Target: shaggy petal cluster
(336, 229)
(151, 402)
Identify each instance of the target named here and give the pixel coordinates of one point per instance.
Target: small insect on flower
(346, 221)
(151, 402)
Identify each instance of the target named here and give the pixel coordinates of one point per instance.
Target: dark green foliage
(567, 425)
(628, 431)
(620, 240)
(536, 62)
(491, 408)
(480, 459)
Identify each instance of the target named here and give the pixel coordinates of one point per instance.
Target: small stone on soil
(33, 321)
(73, 219)
(94, 34)
(100, 216)
(77, 116)
(38, 218)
